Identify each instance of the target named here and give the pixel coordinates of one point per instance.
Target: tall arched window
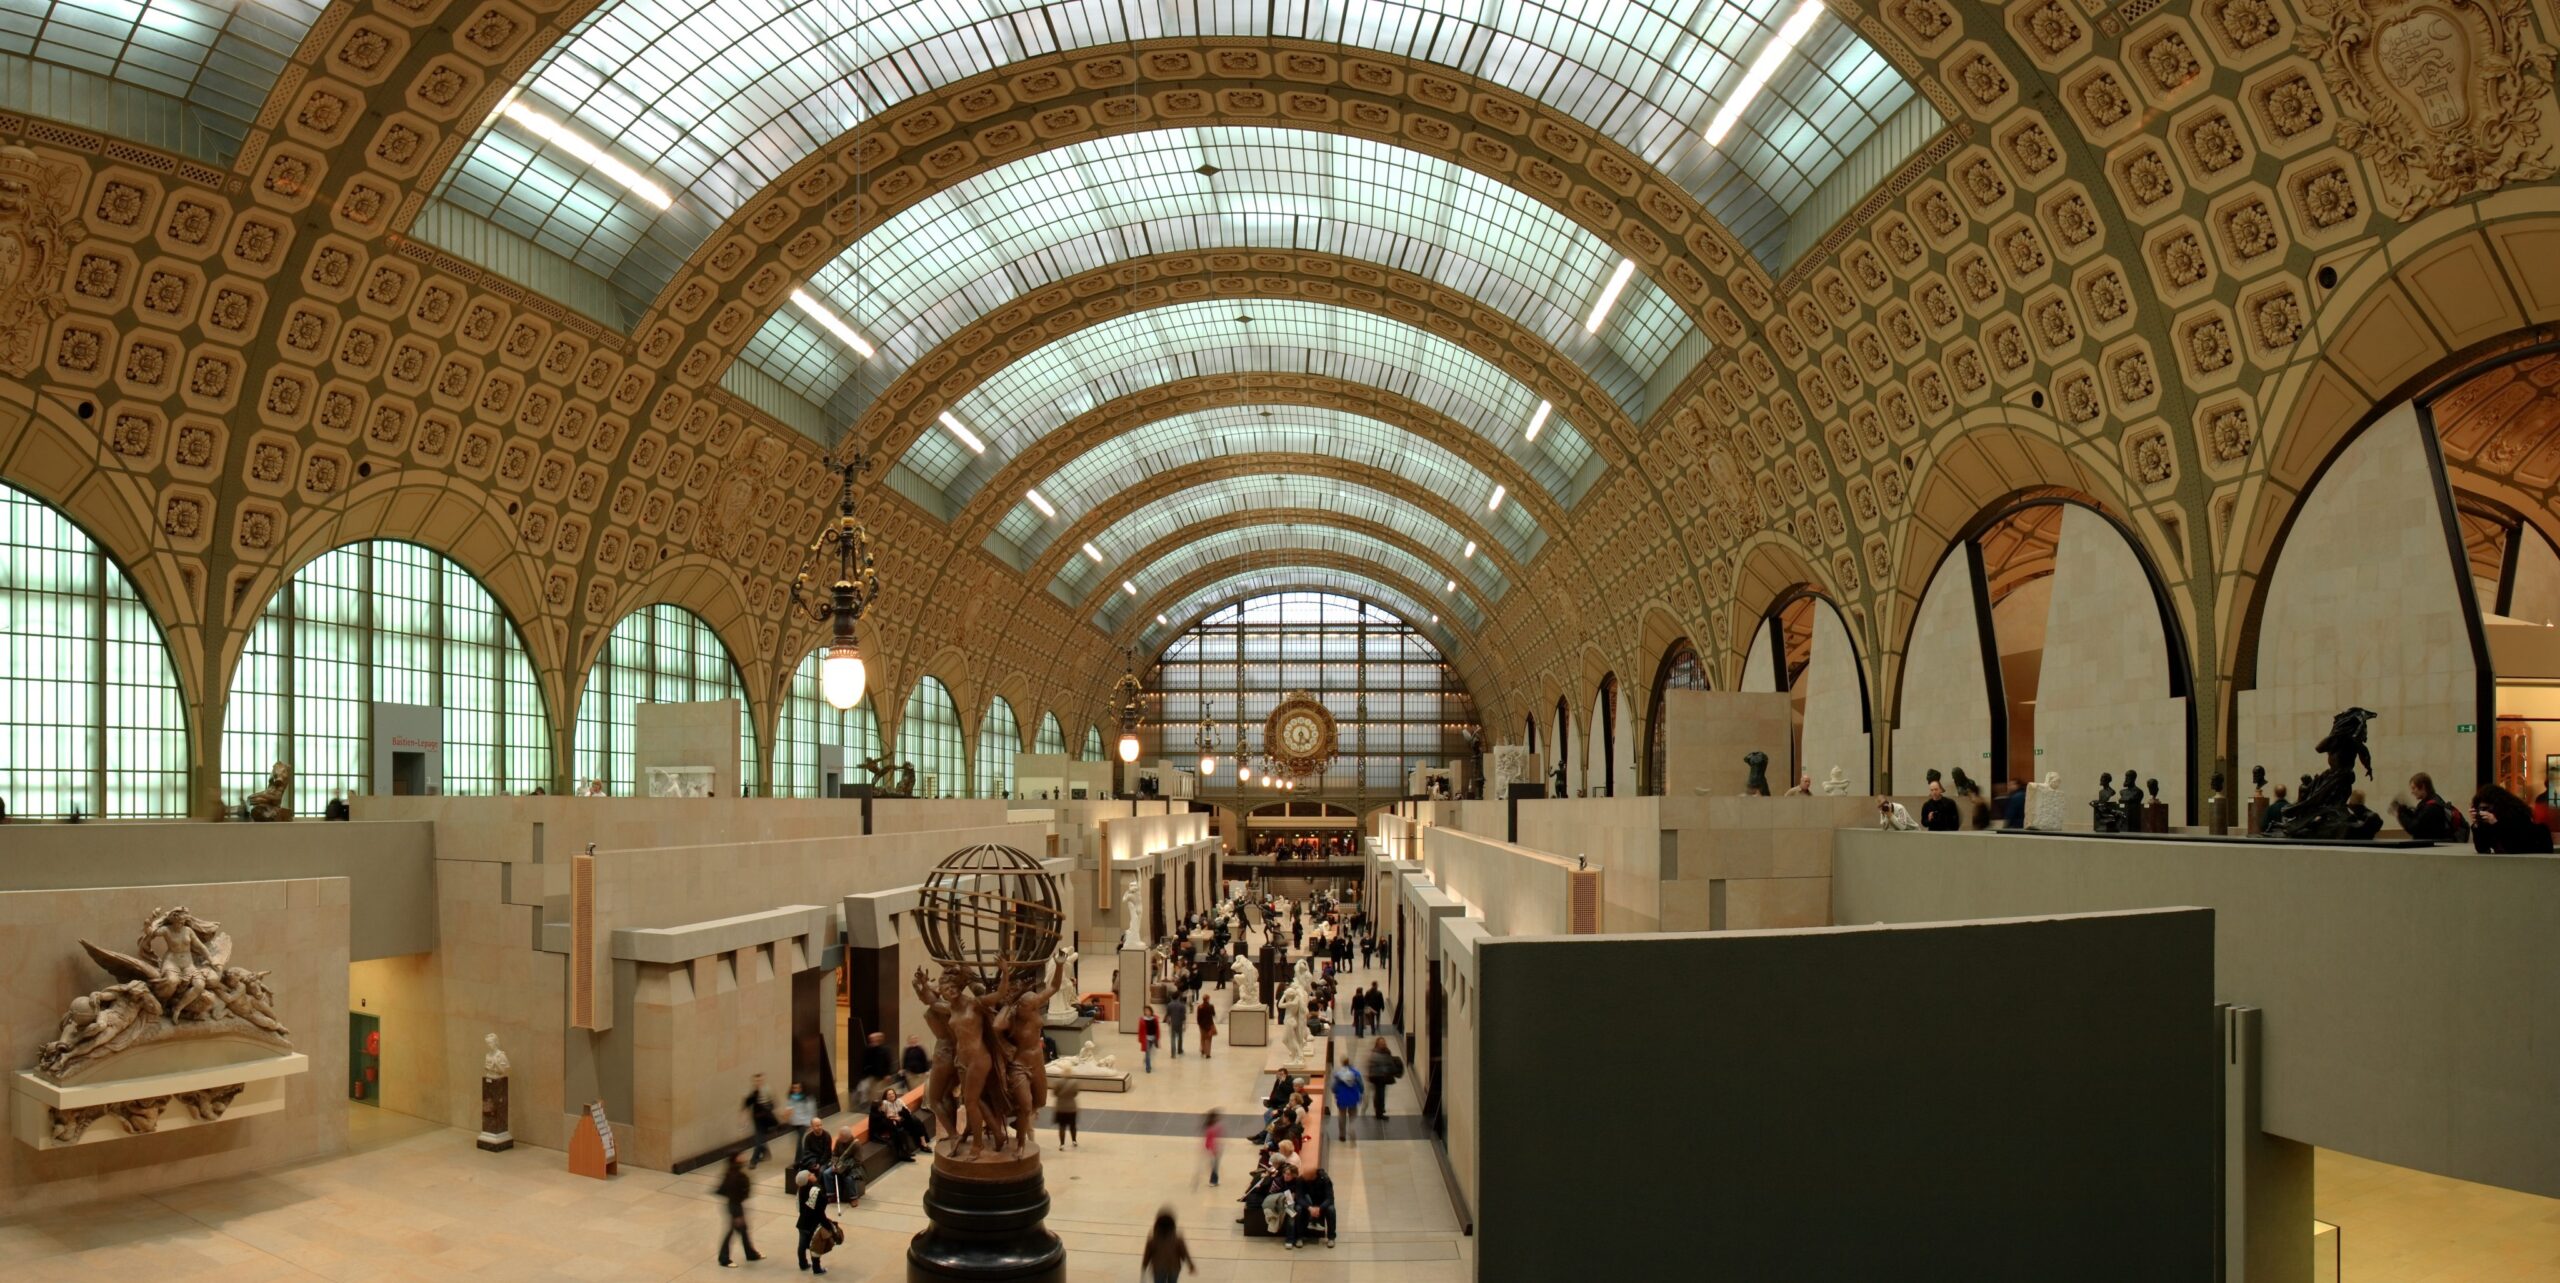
(383, 623)
(999, 740)
(929, 737)
(1052, 739)
(808, 722)
(90, 716)
(658, 654)
(1680, 671)
(1093, 743)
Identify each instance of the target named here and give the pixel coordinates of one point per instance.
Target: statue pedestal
(2257, 815)
(2155, 817)
(986, 1224)
(1249, 1026)
(494, 1136)
(2045, 807)
(1133, 988)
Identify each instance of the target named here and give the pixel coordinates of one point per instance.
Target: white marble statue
(1085, 1059)
(1248, 980)
(1130, 935)
(1836, 784)
(1293, 1030)
(2045, 805)
(494, 1065)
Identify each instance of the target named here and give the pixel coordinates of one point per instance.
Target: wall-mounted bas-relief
(2444, 98)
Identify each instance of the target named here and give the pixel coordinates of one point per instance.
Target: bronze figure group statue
(2326, 808)
(989, 1070)
(890, 778)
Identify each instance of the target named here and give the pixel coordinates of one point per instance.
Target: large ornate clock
(1299, 737)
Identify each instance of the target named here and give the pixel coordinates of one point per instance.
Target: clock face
(1300, 734)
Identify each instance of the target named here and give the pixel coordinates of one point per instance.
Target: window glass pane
(657, 654)
(929, 740)
(999, 741)
(90, 718)
(1052, 739)
(1093, 743)
(383, 623)
(809, 723)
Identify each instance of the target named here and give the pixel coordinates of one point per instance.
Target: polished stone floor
(415, 1201)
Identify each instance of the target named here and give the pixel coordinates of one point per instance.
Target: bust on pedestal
(494, 1135)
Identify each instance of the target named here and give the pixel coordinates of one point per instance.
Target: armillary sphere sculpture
(991, 918)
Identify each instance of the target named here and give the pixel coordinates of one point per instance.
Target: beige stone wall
(2536, 597)
(2105, 704)
(700, 1031)
(1835, 709)
(1706, 733)
(296, 930)
(1460, 1089)
(1623, 838)
(1945, 717)
(407, 993)
(2363, 609)
(1516, 890)
(1760, 664)
(1747, 863)
(701, 733)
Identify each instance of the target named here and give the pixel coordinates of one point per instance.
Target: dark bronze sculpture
(2323, 810)
(2129, 802)
(1759, 764)
(2258, 781)
(2106, 814)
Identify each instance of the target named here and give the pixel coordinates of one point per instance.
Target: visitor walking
(1208, 1026)
(1384, 1069)
(1165, 1255)
(801, 1110)
(915, 1067)
(760, 1117)
(733, 1191)
(1068, 1087)
(1147, 1037)
(1368, 947)
(1346, 1096)
(1211, 1132)
(813, 1218)
(1177, 1015)
(1377, 1007)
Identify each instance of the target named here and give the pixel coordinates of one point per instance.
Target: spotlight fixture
(857, 585)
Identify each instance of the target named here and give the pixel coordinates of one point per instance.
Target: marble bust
(495, 1063)
(1836, 784)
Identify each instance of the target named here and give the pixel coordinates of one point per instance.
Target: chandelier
(857, 585)
(1208, 744)
(1124, 695)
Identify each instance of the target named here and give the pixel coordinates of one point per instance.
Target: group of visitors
(1294, 1198)
(1306, 846)
(2497, 823)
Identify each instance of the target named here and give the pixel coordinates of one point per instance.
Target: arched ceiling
(188, 75)
(1184, 606)
(1112, 609)
(1132, 542)
(1040, 391)
(1089, 480)
(719, 101)
(977, 245)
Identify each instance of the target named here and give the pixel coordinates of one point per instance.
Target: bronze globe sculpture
(991, 918)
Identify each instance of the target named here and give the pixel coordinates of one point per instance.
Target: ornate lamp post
(857, 585)
(1208, 744)
(1124, 696)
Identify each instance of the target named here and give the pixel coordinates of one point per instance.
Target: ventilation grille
(582, 941)
(1584, 898)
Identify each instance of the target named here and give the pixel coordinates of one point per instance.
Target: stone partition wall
(1706, 733)
(1835, 708)
(2535, 598)
(704, 1023)
(1515, 890)
(2105, 702)
(1751, 863)
(1945, 716)
(296, 930)
(696, 733)
(1623, 838)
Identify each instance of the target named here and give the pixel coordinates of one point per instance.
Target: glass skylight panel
(717, 101)
(1042, 390)
(1092, 478)
(220, 58)
(1247, 540)
(1204, 503)
(1388, 605)
(964, 252)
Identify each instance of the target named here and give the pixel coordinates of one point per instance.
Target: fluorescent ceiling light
(1471, 548)
(827, 319)
(588, 154)
(1162, 620)
(961, 430)
(1435, 619)
(1040, 503)
(1762, 68)
(1496, 504)
(1545, 408)
(1093, 552)
(1609, 295)
(1129, 588)
(1451, 586)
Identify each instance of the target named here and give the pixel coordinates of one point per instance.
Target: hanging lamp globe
(841, 676)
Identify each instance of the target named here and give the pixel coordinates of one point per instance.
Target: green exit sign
(2464, 728)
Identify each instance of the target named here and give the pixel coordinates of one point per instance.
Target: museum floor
(416, 1201)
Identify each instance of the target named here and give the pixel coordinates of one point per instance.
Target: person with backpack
(1347, 1090)
(817, 1233)
(733, 1191)
(2430, 816)
(1147, 1037)
(1384, 1069)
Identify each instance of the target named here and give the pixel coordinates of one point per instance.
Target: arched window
(374, 624)
(808, 723)
(1681, 670)
(658, 654)
(929, 738)
(1052, 739)
(90, 716)
(999, 740)
(1093, 743)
